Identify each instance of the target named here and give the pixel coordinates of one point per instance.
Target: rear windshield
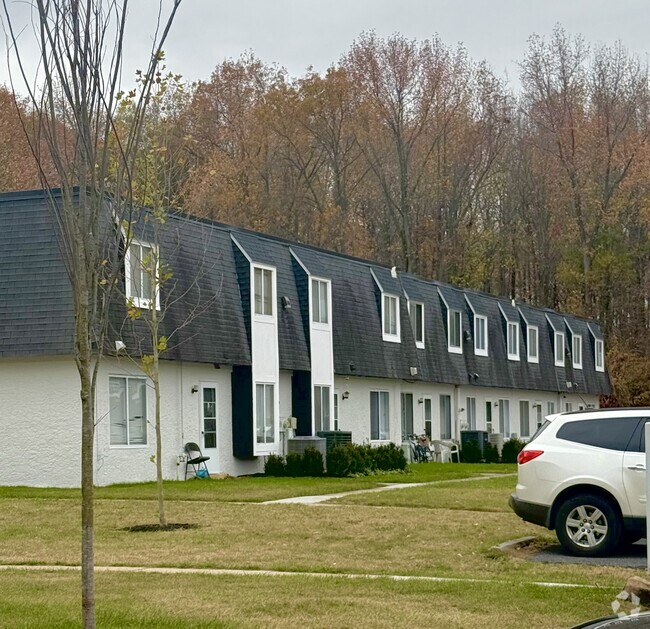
(540, 430)
(611, 433)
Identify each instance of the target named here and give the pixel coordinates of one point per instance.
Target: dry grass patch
(39, 600)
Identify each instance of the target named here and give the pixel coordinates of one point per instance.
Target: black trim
(530, 512)
(634, 525)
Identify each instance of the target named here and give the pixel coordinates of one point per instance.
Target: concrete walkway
(277, 573)
(314, 500)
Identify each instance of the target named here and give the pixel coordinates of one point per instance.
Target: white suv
(583, 474)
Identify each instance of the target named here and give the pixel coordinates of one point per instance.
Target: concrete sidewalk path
(314, 500)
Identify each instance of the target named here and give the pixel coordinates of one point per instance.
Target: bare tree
(74, 97)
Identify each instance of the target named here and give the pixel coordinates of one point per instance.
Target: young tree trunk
(155, 377)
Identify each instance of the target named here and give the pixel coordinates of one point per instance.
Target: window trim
(477, 350)
(259, 315)
(532, 359)
(512, 355)
(323, 325)
(577, 364)
(455, 349)
(379, 393)
(141, 302)
(417, 304)
(599, 343)
(129, 446)
(388, 336)
(559, 362)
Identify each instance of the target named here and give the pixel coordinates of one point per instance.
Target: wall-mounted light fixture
(346, 395)
(286, 302)
(195, 388)
(421, 400)
(461, 410)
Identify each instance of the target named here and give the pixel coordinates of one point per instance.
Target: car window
(637, 443)
(611, 433)
(540, 430)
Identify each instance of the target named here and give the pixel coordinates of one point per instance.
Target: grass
(38, 600)
(445, 530)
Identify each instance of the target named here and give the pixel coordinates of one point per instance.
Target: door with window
(407, 415)
(209, 425)
(445, 416)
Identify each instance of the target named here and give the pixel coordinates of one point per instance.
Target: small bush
(275, 466)
(312, 462)
(388, 458)
(294, 464)
(471, 452)
(511, 449)
(361, 458)
(491, 453)
(339, 460)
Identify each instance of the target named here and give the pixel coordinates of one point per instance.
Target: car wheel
(588, 525)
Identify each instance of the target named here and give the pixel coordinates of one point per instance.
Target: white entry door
(209, 425)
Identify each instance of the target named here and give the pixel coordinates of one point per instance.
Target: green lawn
(446, 529)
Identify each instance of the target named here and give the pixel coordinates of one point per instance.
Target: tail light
(528, 455)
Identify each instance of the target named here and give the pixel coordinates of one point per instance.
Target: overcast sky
(298, 34)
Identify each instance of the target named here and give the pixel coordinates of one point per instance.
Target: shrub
(361, 458)
(275, 466)
(339, 460)
(471, 452)
(312, 462)
(491, 453)
(294, 464)
(389, 457)
(511, 449)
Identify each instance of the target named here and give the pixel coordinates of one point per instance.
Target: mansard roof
(209, 262)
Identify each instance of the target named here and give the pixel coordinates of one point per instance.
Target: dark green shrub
(491, 453)
(361, 458)
(339, 460)
(312, 462)
(294, 464)
(275, 466)
(389, 457)
(471, 452)
(511, 449)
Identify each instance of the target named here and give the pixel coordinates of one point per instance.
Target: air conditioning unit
(496, 439)
(298, 445)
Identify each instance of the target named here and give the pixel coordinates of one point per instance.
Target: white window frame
(529, 344)
(470, 412)
(576, 356)
(267, 269)
(455, 349)
(385, 318)
(413, 307)
(559, 361)
(384, 435)
(478, 350)
(142, 302)
(315, 301)
(599, 348)
(504, 418)
(325, 394)
(266, 444)
(146, 413)
(550, 408)
(512, 355)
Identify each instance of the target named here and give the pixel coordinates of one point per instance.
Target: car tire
(588, 525)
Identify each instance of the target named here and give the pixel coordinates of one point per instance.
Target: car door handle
(637, 468)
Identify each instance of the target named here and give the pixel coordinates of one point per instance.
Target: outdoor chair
(196, 459)
(454, 449)
(441, 452)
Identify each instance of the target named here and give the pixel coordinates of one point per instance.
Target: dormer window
(454, 344)
(141, 265)
(480, 335)
(320, 301)
(263, 289)
(559, 349)
(416, 313)
(390, 318)
(576, 341)
(599, 351)
(533, 343)
(513, 340)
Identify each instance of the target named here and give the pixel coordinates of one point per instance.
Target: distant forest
(412, 154)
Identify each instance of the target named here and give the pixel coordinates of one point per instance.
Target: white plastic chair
(454, 449)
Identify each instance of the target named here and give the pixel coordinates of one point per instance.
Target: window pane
(419, 323)
(445, 417)
(258, 291)
(259, 411)
(611, 433)
(269, 414)
(374, 415)
(524, 418)
(532, 342)
(318, 411)
(325, 406)
(137, 404)
(559, 348)
(147, 269)
(386, 314)
(315, 302)
(428, 418)
(504, 417)
(454, 329)
(324, 309)
(268, 292)
(384, 431)
(470, 403)
(117, 397)
(407, 414)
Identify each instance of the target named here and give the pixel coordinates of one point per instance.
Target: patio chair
(441, 452)
(196, 459)
(454, 449)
